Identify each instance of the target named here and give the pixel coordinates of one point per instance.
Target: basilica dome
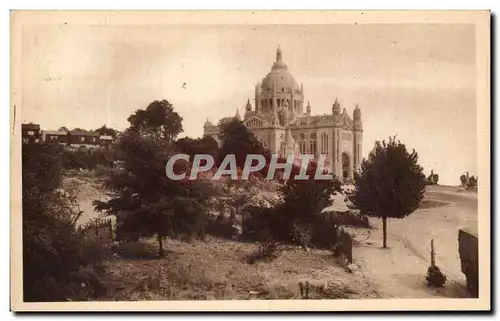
(279, 77)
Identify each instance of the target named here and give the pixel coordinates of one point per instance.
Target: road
(400, 270)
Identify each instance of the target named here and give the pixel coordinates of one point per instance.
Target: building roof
(81, 133)
(106, 137)
(55, 132)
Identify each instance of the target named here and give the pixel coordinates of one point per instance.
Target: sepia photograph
(250, 160)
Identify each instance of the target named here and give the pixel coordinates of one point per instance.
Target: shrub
(267, 251)
(57, 259)
(435, 277)
(347, 218)
(223, 227)
(135, 250)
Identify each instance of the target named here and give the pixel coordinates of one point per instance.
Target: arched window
(346, 166)
(324, 143)
(302, 147)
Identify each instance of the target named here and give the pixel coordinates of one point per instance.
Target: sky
(416, 81)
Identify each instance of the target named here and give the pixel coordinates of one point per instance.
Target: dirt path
(400, 270)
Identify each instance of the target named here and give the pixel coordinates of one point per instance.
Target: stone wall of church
(342, 146)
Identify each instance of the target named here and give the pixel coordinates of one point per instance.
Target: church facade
(285, 124)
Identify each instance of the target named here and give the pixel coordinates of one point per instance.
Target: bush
(347, 218)
(298, 217)
(223, 227)
(89, 159)
(57, 259)
(267, 251)
(435, 277)
(135, 251)
(261, 223)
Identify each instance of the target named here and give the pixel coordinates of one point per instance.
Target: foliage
(435, 277)
(54, 253)
(88, 158)
(304, 200)
(347, 218)
(298, 218)
(266, 252)
(238, 140)
(158, 121)
(391, 183)
(224, 121)
(206, 145)
(144, 200)
(468, 181)
(103, 131)
(433, 179)
(223, 227)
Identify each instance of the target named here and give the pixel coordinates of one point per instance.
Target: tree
(224, 121)
(238, 140)
(463, 180)
(103, 130)
(63, 129)
(433, 179)
(144, 200)
(158, 120)
(391, 183)
(206, 145)
(472, 182)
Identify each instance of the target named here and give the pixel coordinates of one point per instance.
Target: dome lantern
(279, 78)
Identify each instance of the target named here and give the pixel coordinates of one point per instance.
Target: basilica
(280, 122)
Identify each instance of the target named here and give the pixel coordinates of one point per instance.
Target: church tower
(257, 98)
(358, 138)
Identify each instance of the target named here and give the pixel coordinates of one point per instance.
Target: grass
(218, 270)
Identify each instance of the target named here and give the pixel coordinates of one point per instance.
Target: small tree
(300, 214)
(391, 183)
(144, 200)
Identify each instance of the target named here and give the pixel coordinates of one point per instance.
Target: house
(105, 140)
(89, 139)
(30, 133)
(55, 136)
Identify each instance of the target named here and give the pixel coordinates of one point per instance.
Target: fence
(100, 230)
